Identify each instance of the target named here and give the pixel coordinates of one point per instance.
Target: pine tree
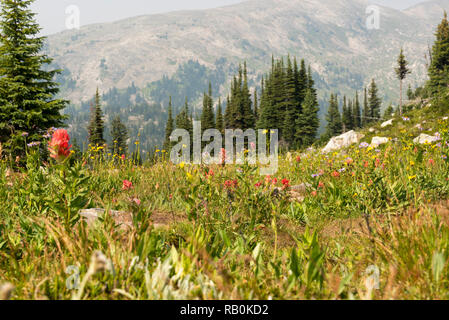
(207, 116)
(374, 101)
(366, 112)
(333, 118)
(27, 89)
(184, 119)
(119, 135)
(247, 110)
(356, 112)
(401, 72)
(346, 116)
(220, 121)
(308, 123)
(169, 127)
(388, 112)
(96, 125)
(290, 105)
(439, 67)
(410, 94)
(256, 107)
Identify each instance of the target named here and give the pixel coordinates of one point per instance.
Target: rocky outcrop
(377, 141)
(387, 123)
(425, 138)
(343, 141)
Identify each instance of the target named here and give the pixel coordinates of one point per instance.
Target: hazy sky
(52, 13)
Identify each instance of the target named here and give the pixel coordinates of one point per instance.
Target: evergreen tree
(308, 123)
(388, 112)
(96, 125)
(374, 102)
(410, 94)
(290, 105)
(439, 66)
(346, 116)
(119, 135)
(207, 116)
(356, 112)
(27, 89)
(220, 121)
(256, 107)
(401, 72)
(169, 127)
(247, 110)
(184, 119)
(333, 118)
(366, 111)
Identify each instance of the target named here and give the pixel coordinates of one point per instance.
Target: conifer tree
(169, 127)
(374, 102)
(256, 107)
(247, 110)
(290, 105)
(119, 135)
(388, 112)
(439, 66)
(308, 123)
(220, 121)
(401, 72)
(207, 115)
(356, 112)
(333, 118)
(96, 125)
(27, 86)
(366, 119)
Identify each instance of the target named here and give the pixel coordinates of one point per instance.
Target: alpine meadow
(262, 151)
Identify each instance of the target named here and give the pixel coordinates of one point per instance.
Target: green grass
(368, 210)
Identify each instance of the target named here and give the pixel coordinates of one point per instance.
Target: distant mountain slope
(332, 35)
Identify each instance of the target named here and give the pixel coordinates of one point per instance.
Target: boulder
(343, 141)
(387, 123)
(425, 138)
(371, 130)
(377, 141)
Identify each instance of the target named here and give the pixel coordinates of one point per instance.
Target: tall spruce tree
(169, 127)
(27, 87)
(119, 134)
(374, 102)
(256, 107)
(402, 71)
(366, 119)
(219, 118)
(356, 112)
(207, 116)
(290, 105)
(96, 125)
(308, 123)
(439, 66)
(333, 118)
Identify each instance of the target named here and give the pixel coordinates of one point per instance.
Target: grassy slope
(192, 237)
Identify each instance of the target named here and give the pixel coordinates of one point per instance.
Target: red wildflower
(59, 145)
(123, 157)
(136, 201)
(127, 185)
(274, 181)
(314, 193)
(431, 162)
(377, 162)
(210, 174)
(257, 185)
(366, 164)
(335, 174)
(230, 184)
(321, 185)
(285, 183)
(298, 159)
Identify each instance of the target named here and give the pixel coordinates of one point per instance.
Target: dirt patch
(164, 219)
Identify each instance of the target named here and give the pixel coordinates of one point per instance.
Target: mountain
(153, 52)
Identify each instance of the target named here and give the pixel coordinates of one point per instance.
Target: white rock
(425, 138)
(445, 118)
(371, 130)
(387, 123)
(377, 141)
(343, 141)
